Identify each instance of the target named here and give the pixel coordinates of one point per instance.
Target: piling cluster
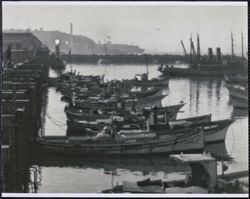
(22, 90)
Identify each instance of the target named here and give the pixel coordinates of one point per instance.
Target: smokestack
(198, 46)
(210, 54)
(218, 56)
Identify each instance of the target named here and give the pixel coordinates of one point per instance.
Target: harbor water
(91, 174)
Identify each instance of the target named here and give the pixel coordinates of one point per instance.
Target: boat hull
(172, 144)
(182, 72)
(215, 135)
(239, 103)
(213, 131)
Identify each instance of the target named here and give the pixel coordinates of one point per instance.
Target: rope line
(56, 121)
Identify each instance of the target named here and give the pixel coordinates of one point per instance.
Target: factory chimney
(210, 55)
(218, 56)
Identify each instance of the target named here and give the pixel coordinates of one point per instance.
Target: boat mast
(71, 44)
(191, 57)
(232, 41)
(146, 58)
(192, 49)
(198, 48)
(242, 48)
(185, 52)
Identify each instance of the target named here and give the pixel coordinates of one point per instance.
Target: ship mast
(198, 48)
(232, 41)
(146, 59)
(192, 49)
(242, 48)
(71, 44)
(185, 52)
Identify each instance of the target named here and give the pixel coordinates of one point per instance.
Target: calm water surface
(91, 175)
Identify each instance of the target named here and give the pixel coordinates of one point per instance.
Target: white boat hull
(215, 136)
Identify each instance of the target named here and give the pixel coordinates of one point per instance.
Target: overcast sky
(159, 27)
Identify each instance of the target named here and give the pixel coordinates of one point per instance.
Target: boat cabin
(141, 77)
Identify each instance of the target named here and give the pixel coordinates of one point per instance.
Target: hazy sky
(159, 27)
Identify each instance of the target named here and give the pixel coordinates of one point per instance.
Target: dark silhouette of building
(23, 46)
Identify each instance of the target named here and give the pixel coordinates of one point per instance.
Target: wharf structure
(79, 44)
(24, 80)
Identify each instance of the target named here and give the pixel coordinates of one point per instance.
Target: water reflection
(96, 174)
(218, 92)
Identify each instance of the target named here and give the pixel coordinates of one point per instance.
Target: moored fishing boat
(149, 91)
(142, 80)
(173, 144)
(238, 95)
(79, 120)
(214, 131)
(236, 78)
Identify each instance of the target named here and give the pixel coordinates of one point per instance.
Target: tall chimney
(218, 56)
(210, 54)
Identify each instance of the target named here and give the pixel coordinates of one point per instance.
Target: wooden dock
(22, 94)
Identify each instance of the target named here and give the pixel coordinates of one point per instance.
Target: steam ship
(208, 65)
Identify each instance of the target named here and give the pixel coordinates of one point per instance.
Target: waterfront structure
(79, 44)
(23, 46)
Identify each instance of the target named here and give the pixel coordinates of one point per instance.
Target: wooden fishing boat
(236, 78)
(214, 131)
(187, 121)
(73, 113)
(237, 91)
(149, 91)
(238, 95)
(239, 103)
(142, 80)
(76, 124)
(173, 144)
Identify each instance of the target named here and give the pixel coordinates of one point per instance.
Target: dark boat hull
(172, 144)
(212, 72)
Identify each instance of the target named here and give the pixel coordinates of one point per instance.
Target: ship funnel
(210, 54)
(218, 56)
